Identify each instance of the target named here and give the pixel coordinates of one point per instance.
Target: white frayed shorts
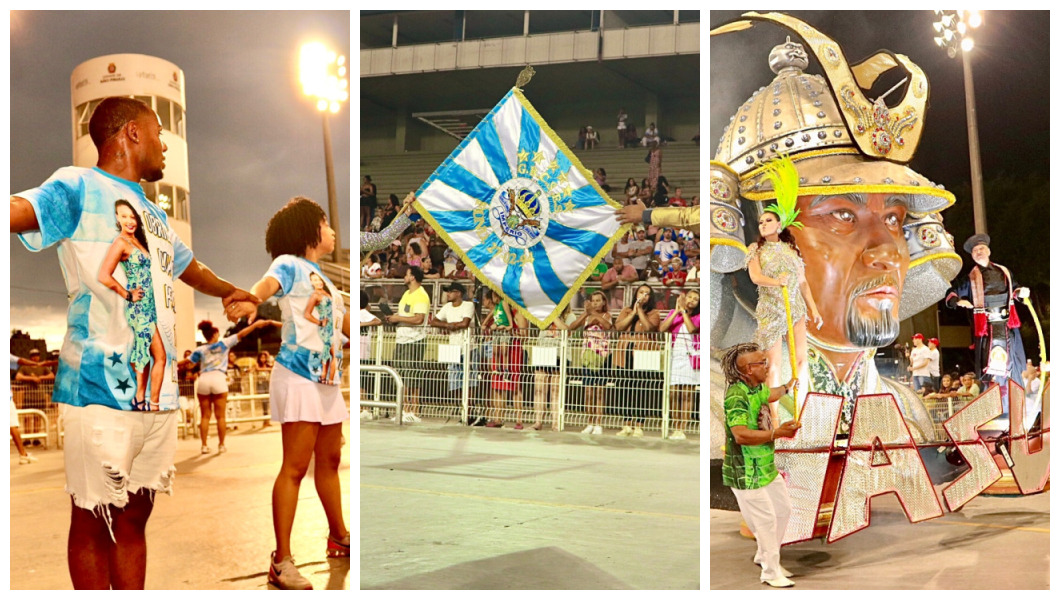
(112, 453)
(212, 382)
(295, 398)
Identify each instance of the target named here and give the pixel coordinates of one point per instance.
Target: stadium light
(953, 27)
(322, 73)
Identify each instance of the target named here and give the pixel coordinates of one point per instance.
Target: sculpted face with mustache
(856, 261)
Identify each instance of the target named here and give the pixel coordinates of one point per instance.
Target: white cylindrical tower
(160, 84)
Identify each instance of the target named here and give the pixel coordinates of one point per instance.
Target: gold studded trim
(867, 188)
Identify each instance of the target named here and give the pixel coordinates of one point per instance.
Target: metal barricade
(399, 393)
(33, 433)
(560, 379)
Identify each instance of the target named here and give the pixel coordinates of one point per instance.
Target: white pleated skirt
(295, 398)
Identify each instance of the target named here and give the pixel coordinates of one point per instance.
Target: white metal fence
(562, 380)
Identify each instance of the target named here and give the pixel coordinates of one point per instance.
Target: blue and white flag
(521, 211)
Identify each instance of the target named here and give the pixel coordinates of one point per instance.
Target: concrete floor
(992, 543)
(215, 532)
(453, 507)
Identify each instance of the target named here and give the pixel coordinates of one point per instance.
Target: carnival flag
(521, 211)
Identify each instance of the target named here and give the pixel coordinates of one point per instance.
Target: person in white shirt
(667, 248)
(919, 359)
(640, 250)
(933, 363)
(455, 317)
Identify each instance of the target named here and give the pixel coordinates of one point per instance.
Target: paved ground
(215, 532)
(452, 507)
(993, 543)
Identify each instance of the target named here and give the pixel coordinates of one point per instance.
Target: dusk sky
(254, 139)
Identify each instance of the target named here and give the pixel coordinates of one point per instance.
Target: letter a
(963, 430)
(902, 472)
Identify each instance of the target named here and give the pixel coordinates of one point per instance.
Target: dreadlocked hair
(728, 361)
(294, 228)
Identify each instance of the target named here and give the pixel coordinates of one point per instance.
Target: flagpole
(791, 352)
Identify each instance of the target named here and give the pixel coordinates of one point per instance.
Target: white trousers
(766, 511)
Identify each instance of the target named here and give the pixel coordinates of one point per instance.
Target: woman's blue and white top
(214, 357)
(302, 345)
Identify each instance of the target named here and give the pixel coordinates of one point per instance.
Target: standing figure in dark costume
(990, 292)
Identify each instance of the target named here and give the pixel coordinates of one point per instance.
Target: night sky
(254, 139)
(1010, 70)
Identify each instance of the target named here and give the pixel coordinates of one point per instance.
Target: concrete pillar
(393, 33)
(401, 123)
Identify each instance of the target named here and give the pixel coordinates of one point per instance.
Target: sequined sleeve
(752, 252)
(370, 241)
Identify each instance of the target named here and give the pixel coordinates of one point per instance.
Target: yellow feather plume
(785, 177)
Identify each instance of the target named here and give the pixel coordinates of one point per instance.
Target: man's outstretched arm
(22, 216)
(200, 277)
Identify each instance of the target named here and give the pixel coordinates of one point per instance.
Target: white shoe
(366, 415)
(28, 458)
(415, 418)
(638, 432)
(626, 431)
(783, 571)
(588, 429)
(780, 582)
(597, 430)
(407, 417)
(677, 435)
(205, 449)
(221, 449)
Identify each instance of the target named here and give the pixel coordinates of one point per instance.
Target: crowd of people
(600, 357)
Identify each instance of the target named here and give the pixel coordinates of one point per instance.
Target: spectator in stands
(411, 340)
(667, 249)
(455, 317)
(632, 190)
(595, 358)
(676, 199)
(415, 254)
(631, 134)
(653, 274)
(647, 192)
(590, 138)
(621, 272)
(582, 134)
(34, 373)
(600, 176)
(948, 389)
(640, 252)
(641, 320)
(592, 284)
(429, 271)
(662, 191)
(546, 378)
(366, 320)
(693, 270)
(651, 135)
(690, 247)
(368, 200)
(390, 210)
(969, 389)
(675, 274)
(621, 247)
(461, 271)
(934, 364)
(695, 201)
(398, 268)
(623, 118)
(449, 262)
(1032, 403)
(372, 268)
(919, 359)
(683, 325)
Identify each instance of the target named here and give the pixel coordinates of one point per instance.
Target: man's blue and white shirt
(75, 210)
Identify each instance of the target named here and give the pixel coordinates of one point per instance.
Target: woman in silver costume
(371, 241)
(774, 262)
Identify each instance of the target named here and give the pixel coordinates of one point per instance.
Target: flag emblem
(520, 210)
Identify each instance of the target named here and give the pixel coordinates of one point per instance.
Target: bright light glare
(962, 28)
(322, 75)
(967, 44)
(975, 19)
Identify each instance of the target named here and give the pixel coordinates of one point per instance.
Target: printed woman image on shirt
(147, 355)
(313, 312)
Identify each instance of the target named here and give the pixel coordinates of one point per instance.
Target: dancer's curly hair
(728, 361)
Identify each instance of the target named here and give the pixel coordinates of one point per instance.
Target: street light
(322, 73)
(954, 27)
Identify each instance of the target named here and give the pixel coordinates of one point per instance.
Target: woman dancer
(775, 261)
(212, 385)
(310, 412)
(130, 249)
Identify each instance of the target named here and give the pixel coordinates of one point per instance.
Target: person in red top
(676, 274)
(677, 200)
